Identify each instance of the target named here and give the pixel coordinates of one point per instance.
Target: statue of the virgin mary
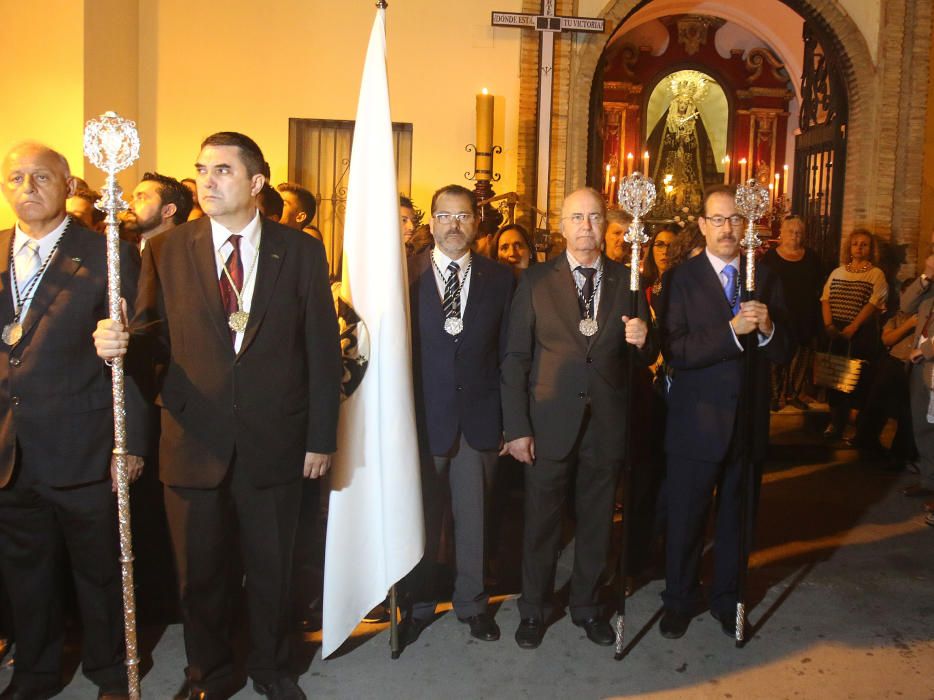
(680, 147)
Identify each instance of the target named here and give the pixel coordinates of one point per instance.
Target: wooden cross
(547, 24)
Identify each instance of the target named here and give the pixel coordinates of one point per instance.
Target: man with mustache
(460, 309)
(703, 322)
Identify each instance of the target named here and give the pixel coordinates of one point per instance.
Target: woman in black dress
(799, 270)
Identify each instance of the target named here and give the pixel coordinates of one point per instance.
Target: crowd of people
(232, 353)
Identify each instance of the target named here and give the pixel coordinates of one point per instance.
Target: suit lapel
(477, 290)
(203, 258)
(710, 282)
(271, 255)
(429, 301)
(609, 285)
(564, 295)
(58, 274)
(6, 292)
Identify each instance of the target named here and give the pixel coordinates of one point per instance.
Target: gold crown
(689, 84)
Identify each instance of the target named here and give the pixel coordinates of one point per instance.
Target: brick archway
(856, 63)
(887, 110)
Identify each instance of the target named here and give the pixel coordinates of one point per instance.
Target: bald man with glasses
(564, 386)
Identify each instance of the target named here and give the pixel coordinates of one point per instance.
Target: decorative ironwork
(494, 177)
(636, 196)
(820, 150)
(752, 201)
(820, 87)
(112, 144)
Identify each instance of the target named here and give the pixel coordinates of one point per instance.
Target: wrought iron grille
(820, 149)
(319, 160)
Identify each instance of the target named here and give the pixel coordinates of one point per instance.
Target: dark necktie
(234, 266)
(730, 290)
(452, 293)
(584, 298)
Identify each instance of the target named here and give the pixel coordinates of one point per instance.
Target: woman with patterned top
(852, 298)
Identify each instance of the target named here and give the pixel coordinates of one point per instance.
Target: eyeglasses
(661, 244)
(444, 217)
(577, 219)
(718, 221)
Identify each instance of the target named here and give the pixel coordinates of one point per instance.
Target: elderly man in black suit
(702, 323)
(237, 311)
(564, 386)
(56, 431)
(459, 309)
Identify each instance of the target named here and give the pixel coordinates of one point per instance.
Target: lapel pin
(275, 255)
(77, 260)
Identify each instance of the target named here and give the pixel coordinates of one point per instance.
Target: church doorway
(757, 57)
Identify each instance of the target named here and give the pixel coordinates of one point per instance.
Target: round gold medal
(12, 333)
(238, 320)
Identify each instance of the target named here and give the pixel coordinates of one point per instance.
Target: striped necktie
(452, 292)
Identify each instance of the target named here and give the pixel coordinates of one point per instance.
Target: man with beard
(702, 321)
(159, 203)
(460, 308)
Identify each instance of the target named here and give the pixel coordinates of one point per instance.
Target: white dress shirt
(249, 249)
(440, 262)
(718, 267)
(579, 278)
(46, 245)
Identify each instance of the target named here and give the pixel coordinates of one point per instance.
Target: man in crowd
(238, 310)
(80, 205)
(703, 323)
(158, 204)
(408, 220)
(191, 186)
(918, 299)
(563, 385)
(57, 509)
(615, 245)
(298, 208)
(269, 202)
(459, 309)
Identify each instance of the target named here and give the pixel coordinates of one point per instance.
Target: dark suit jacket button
(589, 360)
(582, 395)
(14, 400)
(14, 362)
(460, 388)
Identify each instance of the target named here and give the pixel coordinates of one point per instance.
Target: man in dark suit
(238, 311)
(56, 431)
(564, 385)
(703, 324)
(459, 309)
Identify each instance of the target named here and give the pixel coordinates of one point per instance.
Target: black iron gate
(820, 149)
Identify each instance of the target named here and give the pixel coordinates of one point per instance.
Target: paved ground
(842, 588)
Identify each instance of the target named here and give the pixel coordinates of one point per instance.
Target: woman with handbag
(852, 298)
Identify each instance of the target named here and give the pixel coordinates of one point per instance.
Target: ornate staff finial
(382, 4)
(636, 196)
(112, 144)
(752, 201)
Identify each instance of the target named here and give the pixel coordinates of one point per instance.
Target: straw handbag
(839, 372)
